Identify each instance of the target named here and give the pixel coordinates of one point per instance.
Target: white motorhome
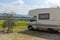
(47, 19)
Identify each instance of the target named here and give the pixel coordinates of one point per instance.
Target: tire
(30, 27)
(50, 30)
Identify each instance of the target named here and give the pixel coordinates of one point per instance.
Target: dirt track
(28, 35)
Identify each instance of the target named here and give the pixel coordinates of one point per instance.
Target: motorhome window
(33, 19)
(44, 16)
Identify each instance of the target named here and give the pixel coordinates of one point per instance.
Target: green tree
(9, 21)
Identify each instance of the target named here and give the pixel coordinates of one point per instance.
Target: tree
(9, 21)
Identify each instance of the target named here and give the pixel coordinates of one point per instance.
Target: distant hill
(21, 17)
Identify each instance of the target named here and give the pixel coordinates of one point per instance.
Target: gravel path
(20, 36)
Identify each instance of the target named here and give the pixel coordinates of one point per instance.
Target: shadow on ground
(40, 34)
(5, 32)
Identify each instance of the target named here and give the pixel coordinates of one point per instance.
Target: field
(19, 25)
(22, 33)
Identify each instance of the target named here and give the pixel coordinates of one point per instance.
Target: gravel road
(28, 35)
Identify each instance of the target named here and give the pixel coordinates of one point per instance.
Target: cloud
(46, 3)
(19, 6)
(16, 6)
(54, 2)
(18, 3)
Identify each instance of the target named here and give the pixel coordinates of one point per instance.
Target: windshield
(33, 19)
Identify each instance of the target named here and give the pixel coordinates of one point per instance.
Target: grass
(20, 25)
(1, 22)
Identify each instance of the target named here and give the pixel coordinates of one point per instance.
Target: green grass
(20, 25)
(1, 22)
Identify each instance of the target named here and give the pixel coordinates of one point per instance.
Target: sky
(23, 6)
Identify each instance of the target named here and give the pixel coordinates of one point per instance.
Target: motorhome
(47, 19)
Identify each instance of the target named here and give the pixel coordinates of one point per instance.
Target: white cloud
(53, 3)
(17, 3)
(16, 6)
(19, 6)
(47, 4)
